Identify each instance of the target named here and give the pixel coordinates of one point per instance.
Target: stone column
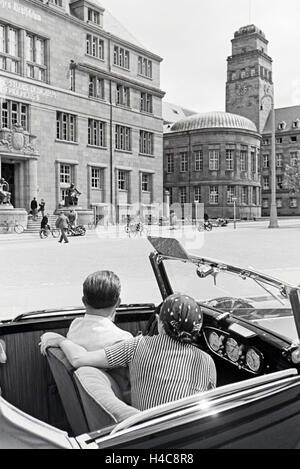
(0, 167)
(32, 179)
(166, 204)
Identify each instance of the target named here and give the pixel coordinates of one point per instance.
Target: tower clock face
(241, 90)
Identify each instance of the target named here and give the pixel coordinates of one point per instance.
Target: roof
(172, 112)
(285, 114)
(215, 120)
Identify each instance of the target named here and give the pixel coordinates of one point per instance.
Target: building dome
(214, 120)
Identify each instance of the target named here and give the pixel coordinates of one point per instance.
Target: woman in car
(164, 367)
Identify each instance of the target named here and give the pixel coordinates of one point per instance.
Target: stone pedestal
(84, 216)
(13, 215)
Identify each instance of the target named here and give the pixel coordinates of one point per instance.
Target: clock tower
(249, 87)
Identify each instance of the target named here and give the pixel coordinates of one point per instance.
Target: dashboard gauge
(232, 350)
(253, 360)
(214, 341)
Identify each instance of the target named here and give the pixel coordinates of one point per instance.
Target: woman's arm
(78, 356)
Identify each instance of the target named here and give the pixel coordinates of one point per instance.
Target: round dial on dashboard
(232, 349)
(253, 360)
(214, 341)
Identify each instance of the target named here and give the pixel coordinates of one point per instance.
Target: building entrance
(8, 173)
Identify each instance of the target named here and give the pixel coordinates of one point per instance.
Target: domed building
(213, 158)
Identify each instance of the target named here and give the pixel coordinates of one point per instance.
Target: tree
(291, 179)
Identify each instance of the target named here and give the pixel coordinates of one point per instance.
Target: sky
(194, 39)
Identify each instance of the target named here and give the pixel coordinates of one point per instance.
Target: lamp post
(195, 202)
(234, 199)
(273, 212)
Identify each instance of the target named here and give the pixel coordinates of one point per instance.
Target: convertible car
(251, 329)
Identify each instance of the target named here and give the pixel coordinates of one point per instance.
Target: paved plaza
(41, 274)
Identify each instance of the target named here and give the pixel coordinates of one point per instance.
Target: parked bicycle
(7, 226)
(45, 232)
(78, 230)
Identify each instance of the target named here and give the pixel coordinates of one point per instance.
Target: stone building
(80, 102)
(250, 94)
(212, 158)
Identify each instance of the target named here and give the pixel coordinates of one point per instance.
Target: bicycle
(204, 226)
(135, 228)
(45, 232)
(78, 230)
(17, 227)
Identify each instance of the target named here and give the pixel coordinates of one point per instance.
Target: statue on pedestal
(71, 198)
(5, 195)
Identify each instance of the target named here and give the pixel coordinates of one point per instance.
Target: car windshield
(244, 297)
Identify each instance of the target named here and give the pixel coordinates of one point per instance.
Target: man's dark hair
(102, 289)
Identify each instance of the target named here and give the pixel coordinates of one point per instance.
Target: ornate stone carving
(17, 140)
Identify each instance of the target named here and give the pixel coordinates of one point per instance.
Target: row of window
(97, 90)
(11, 55)
(251, 72)
(97, 178)
(13, 41)
(293, 159)
(280, 140)
(213, 161)
(292, 203)
(266, 182)
(248, 195)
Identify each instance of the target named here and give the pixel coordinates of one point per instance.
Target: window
(294, 139)
(229, 160)
(146, 185)
(72, 78)
(266, 141)
(121, 57)
(184, 165)
(250, 195)
(265, 203)
(243, 73)
(253, 160)
(123, 138)
(279, 203)
(146, 142)
(95, 46)
(243, 160)
(230, 194)
(279, 180)
(252, 72)
(296, 124)
(56, 2)
(183, 195)
(96, 178)
(96, 87)
(198, 155)
(35, 57)
(65, 127)
(197, 194)
(279, 140)
(123, 95)
(213, 195)
(170, 163)
(96, 133)
(279, 160)
(122, 180)
(146, 103)
(145, 67)
(266, 184)
(294, 158)
(244, 195)
(12, 113)
(282, 125)
(266, 161)
(65, 174)
(93, 16)
(9, 49)
(293, 202)
(214, 160)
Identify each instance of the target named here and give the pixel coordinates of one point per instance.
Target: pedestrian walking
(42, 207)
(62, 223)
(34, 206)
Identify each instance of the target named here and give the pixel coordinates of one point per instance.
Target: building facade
(214, 144)
(80, 103)
(213, 158)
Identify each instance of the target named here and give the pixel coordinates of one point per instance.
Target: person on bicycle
(44, 223)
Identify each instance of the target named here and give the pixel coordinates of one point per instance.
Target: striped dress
(161, 369)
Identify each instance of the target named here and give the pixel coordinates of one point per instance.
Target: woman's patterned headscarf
(181, 317)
